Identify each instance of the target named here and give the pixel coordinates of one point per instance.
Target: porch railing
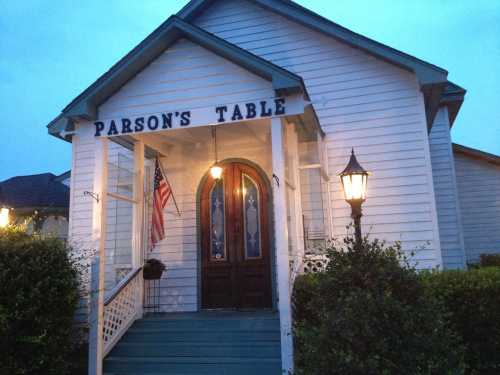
(121, 308)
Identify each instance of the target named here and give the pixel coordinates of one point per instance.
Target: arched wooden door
(236, 267)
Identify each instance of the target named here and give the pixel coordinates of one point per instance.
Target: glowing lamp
(4, 217)
(216, 172)
(354, 180)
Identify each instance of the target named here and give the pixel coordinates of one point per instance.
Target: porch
(287, 157)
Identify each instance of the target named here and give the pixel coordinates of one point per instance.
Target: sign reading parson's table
(216, 115)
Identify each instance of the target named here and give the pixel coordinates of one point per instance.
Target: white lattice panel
(315, 263)
(121, 312)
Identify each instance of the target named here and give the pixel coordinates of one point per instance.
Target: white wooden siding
(443, 167)
(361, 102)
(80, 213)
(185, 76)
(478, 185)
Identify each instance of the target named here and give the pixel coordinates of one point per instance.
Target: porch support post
(281, 244)
(137, 215)
(99, 238)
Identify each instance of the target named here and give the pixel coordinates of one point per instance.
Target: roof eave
(453, 98)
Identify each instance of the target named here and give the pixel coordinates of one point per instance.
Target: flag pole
(168, 182)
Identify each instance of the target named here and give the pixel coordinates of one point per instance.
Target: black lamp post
(354, 182)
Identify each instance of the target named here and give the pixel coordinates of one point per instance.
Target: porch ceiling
(162, 142)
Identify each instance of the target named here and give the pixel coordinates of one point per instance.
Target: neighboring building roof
(85, 105)
(34, 191)
(63, 176)
(476, 154)
(432, 79)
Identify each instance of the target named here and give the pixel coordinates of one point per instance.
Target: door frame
(270, 213)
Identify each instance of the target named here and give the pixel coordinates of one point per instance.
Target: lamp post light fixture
(354, 182)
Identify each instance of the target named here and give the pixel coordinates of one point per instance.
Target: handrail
(122, 284)
(121, 308)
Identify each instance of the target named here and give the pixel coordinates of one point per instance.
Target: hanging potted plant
(153, 269)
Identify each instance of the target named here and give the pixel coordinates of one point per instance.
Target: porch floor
(201, 343)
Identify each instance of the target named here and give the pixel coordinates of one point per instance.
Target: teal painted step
(174, 365)
(137, 335)
(209, 350)
(210, 324)
(205, 343)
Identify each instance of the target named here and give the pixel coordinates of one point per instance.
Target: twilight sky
(52, 50)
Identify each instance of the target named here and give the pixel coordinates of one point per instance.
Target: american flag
(161, 194)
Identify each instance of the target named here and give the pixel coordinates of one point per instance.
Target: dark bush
(473, 301)
(489, 260)
(38, 298)
(369, 314)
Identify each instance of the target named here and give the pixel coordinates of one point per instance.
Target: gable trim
(85, 105)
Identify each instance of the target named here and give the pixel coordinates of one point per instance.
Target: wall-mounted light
(4, 217)
(215, 170)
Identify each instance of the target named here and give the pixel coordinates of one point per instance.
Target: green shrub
(38, 298)
(369, 314)
(489, 260)
(473, 301)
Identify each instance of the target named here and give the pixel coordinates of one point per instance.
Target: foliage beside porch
(38, 299)
(368, 314)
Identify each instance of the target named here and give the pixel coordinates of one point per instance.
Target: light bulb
(216, 172)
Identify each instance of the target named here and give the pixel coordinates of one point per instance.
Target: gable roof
(85, 105)
(432, 79)
(476, 154)
(427, 73)
(34, 191)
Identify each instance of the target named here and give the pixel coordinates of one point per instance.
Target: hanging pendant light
(215, 170)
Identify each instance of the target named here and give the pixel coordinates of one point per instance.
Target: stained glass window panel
(217, 230)
(251, 218)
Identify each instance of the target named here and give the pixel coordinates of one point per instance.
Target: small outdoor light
(354, 182)
(4, 217)
(215, 170)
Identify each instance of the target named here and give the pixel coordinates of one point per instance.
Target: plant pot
(153, 269)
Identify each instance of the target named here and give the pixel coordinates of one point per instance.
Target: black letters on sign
(251, 110)
(264, 111)
(220, 111)
(99, 127)
(139, 124)
(112, 128)
(153, 122)
(280, 106)
(126, 126)
(237, 112)
(167, 120)
(185, 118)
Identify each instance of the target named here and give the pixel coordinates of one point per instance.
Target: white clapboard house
(277, 96)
